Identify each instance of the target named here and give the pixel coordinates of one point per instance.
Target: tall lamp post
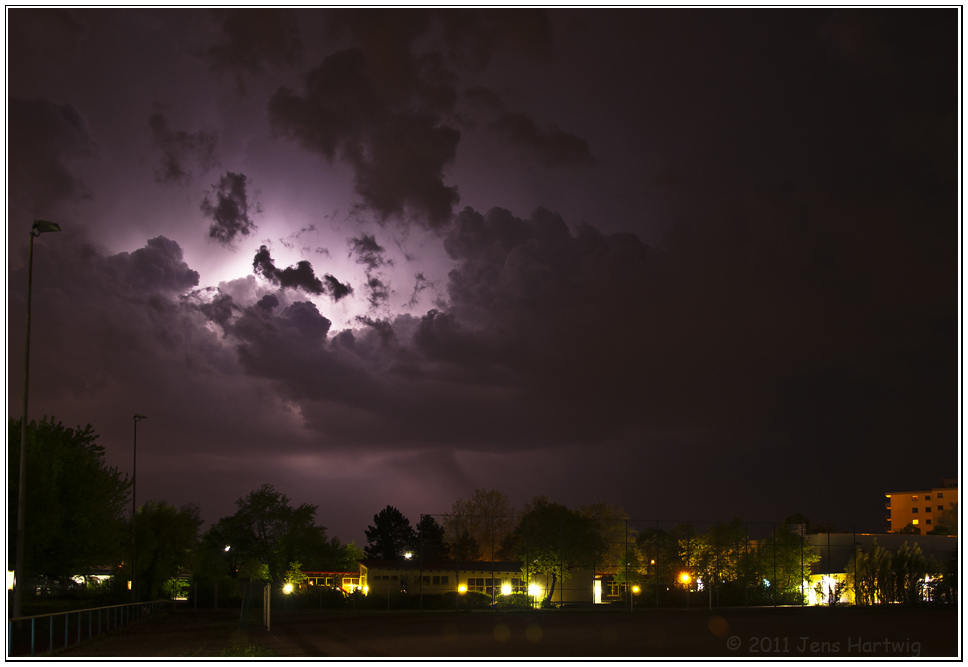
(39, 227)
(134, 493)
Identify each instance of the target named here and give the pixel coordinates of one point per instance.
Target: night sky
(696, 263)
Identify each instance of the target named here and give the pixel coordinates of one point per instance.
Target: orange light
(685, 578)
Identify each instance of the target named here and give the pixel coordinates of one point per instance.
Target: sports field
(839, 633)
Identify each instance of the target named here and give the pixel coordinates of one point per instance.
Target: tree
(336, 557)
(430, 536)
(74, 502)
(785, 560)
(266, 529)
(295, 576)
(467, 548)
(551, 539)
(909, 529)
(167, 540)
(869, 575)
(618, 537)
(947, 523)
(390, 536)
(487, 518)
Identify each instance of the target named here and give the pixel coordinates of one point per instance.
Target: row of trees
(879, 576)
(78, 523)
(553, 540)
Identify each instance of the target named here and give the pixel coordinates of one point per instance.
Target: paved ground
(600, 633)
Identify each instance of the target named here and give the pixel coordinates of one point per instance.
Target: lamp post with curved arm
(39, 227)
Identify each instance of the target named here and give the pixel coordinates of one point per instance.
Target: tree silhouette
(75, 503)
(390, 536)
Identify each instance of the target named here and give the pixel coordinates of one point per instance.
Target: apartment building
(922, 509)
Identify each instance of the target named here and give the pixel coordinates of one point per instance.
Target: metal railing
(108, 618)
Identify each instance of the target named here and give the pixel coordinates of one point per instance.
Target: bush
(514, 601)
(454, 600)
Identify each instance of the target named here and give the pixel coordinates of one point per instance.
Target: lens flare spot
(718, 626)
(502, 632)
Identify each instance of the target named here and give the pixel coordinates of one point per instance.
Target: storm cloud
(252, 39)
(552, 147)
(179, 148)
(351, 112)
(228, 205)
(578, 251)
(301, 276)
(47, 151)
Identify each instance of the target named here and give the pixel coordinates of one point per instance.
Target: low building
(344, 581)
(922, 509)
(418, 577)
(433, 577)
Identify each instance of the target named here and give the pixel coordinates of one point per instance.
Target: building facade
(416, 577)
(922, 509)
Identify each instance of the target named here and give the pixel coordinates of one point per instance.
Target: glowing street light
(287, 589)
(39, 227)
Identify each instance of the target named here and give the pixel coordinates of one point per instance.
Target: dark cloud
(473, 36)
(351, 110)
(46, 40)
(366, 251)
(383, 327)
(335, 288)
(180, 147)
(46, 151)
(230, 209)
(386, 104)
(253, 39)
(404, 169)
(379, 291)
(551, 147)
(419, 285)
(301, 276)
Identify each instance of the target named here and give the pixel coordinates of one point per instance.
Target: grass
(240, 646)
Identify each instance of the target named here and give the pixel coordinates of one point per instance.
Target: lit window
(915, 522)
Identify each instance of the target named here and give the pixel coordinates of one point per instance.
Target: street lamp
(39, 227)
(134, 493)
